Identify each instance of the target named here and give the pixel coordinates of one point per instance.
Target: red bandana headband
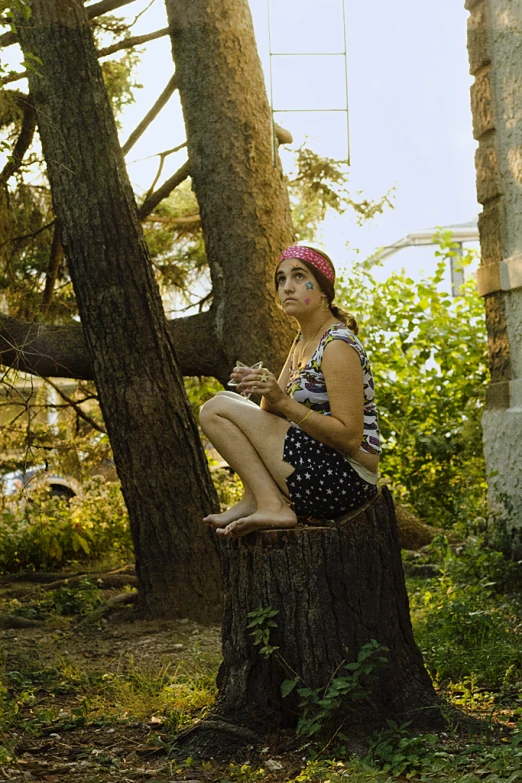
(313, 258)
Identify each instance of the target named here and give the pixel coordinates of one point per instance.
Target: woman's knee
(216, 405)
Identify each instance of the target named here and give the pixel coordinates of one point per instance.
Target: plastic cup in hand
(256, 366)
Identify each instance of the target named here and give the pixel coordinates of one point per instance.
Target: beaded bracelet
(298, 424)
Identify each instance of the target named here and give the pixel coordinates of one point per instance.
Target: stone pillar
(495, 57)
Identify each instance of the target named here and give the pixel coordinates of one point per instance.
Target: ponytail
(345, 318)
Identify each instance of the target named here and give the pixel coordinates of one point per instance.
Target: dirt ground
(103, 701)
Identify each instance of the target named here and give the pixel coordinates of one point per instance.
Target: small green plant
(321, 705)
(396, 751)
(80, 599)
(262, 621)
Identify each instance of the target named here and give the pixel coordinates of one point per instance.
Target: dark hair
(328, 290)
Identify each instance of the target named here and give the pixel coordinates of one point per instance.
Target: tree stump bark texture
(334, 589)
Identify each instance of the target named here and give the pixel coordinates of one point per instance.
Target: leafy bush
(428, 352)
(397, 751)
(71, 601)
(44, 531)
(467, 629)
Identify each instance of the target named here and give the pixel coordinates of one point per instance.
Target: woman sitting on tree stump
(312, 447)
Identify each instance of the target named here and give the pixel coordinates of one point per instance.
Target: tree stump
(334, 588)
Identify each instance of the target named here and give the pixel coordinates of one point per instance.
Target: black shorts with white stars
(323, 484)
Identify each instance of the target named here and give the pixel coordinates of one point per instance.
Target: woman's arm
(343, 374)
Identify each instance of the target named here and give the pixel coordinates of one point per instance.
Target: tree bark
(156, 447)
(58, 351)
(334, 589)
(243, 203)
(240, 189)
(93, 11)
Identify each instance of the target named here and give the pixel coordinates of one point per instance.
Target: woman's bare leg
(251, 441)
(246, 505)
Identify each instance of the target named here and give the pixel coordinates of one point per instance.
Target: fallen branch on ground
(122, 599)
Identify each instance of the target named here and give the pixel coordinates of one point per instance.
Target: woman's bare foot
(243, 508)
(281, 518)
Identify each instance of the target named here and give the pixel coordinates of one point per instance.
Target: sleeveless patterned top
(308, 386)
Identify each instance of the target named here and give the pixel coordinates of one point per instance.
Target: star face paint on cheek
(309, 285)
(307, 301)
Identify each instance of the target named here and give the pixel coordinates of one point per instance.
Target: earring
(324, 304)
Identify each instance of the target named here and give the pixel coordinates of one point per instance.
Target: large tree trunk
(332, 590)
(155, 441)
(240, 190)
(243, 202)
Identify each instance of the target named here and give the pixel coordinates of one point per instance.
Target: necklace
(301, 355)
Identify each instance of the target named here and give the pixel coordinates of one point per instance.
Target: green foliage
(26, 213)
(467, 630)
(118, 77)
(318, 185)
(10, 8)
(130, 690)
(262, 621)
(199, 390)
(396, 751)
(46, 531)
(428, 354)
(229, 488)
(71, 601)
(177, 248)
(321, 706)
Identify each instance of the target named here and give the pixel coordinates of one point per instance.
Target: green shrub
(72, 601)
(45, 531)
(428, 353)
(465, 624)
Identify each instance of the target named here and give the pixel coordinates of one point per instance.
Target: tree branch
(55, 260)
(152, 201)
(98, 9)
(151, 115)
(128, 43)
(13, 77)
(174, 221)
(24, 139)
(283, 136)
(31, 235)
(105, 7)
(51, 351)
(76, 407)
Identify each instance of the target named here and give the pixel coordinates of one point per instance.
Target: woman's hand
(237, 375)
(263, 382)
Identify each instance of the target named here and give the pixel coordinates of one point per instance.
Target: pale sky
(408, 96)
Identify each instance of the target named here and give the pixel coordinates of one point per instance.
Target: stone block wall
(495, 58)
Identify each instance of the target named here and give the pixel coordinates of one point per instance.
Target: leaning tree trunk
(332, 590)
(240, 189)
(156, 446)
